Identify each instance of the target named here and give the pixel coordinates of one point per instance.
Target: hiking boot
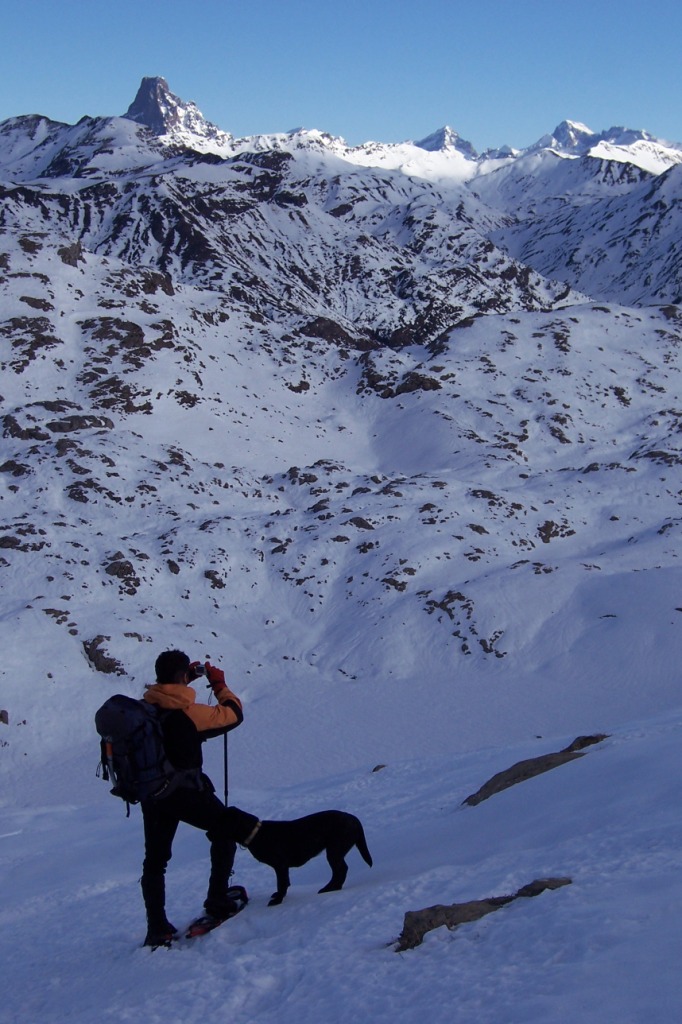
(238, 894)
(162, 936)
(234, 900)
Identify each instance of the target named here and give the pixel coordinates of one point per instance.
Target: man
(185, 726)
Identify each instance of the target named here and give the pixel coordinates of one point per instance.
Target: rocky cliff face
(156, 107)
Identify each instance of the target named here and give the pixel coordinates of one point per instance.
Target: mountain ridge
(157, 108)
(398, 446)
(364, 423)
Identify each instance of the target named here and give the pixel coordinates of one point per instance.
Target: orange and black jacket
(187, 724)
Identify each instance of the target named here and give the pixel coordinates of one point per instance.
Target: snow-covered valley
(394, 437)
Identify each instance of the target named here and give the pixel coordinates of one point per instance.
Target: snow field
(605, 948)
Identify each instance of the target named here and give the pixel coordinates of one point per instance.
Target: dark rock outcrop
(418, 922)
(528, 769)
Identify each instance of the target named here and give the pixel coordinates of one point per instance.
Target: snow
(434, 583)
(650, 156)
(605, 948)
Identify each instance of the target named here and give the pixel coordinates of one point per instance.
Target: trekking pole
(225, 764)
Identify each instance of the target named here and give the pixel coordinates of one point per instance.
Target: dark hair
(169, 664)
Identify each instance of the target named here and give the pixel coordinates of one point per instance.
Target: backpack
(133, 756)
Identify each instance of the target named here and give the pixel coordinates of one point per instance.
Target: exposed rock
(70, 423)
(122, 568)
(217, 583)
(15, 468)
(550, 530)
(418, 922)
(12, 428)
(30, 337)
(328, 330)
(36, 303)
(417, 382)
(99, 660)
(299, 388)
(360, 522)
(523, 770)
(72, 254)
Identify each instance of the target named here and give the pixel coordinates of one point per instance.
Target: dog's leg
(335, 857)
(283, 882)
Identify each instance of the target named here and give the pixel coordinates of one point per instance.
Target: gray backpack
(133, 756)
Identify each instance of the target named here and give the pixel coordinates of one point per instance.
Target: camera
(197, 670)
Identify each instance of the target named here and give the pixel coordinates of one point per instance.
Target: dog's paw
(275, 899)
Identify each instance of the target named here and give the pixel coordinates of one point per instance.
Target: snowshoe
(235, 900)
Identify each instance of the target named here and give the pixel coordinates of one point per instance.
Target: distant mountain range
(156, 107)
(368, 411)
(596, 211)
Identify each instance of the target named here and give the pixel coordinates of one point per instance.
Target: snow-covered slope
(606, 947)
(625, 245)
(312, 411)
(391, 433)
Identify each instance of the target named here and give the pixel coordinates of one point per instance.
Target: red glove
(216, 678)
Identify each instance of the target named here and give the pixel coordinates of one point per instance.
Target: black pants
(202, 809)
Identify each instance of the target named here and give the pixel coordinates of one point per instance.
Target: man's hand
(216, 678)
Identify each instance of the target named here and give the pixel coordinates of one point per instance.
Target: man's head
(172, 667)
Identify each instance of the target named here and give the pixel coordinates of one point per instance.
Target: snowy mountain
(175, 121)
(620, 144)
(447, 138)
(392, 432)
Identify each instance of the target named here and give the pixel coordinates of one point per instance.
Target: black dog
(290, 844)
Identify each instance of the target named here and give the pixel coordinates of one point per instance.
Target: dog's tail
(361, 844)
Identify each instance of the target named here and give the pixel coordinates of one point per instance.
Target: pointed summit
(447, 138)
(153, 104)
(166, 114)
(568, 137)
(572, 135)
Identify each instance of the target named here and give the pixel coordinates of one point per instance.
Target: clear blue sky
(497, 71)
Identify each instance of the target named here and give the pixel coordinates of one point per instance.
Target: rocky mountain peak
(572, 135)
(447, 138)
(165, 113)
(152, 105)
(568, 137)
